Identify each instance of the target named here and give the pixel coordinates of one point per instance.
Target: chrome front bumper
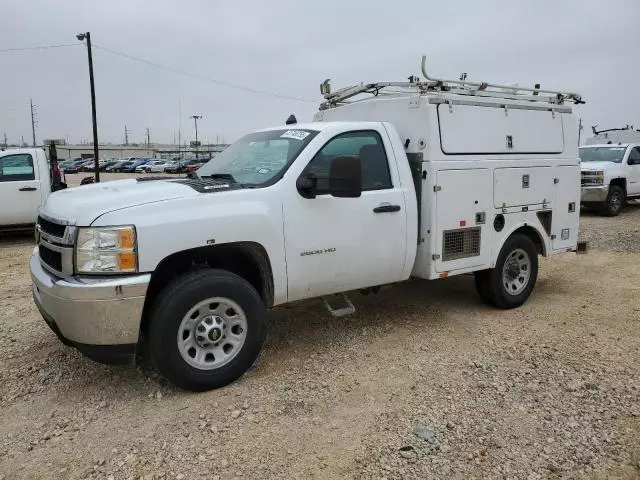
(90, 310)
(594, 194)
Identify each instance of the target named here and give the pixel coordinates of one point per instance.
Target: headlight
(106, 250)
(599, 177)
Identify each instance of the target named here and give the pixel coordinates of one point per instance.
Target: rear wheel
(615, 201)
(206, 330)
(510, 282)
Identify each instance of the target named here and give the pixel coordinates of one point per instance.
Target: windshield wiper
(220, 176)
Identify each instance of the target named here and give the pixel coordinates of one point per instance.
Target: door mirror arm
(306, 185)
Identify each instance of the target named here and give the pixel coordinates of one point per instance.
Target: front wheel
(510, 282)
(206, 329)
(615, 201)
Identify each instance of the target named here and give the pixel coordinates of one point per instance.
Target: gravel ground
(615, 234)
(423, 382)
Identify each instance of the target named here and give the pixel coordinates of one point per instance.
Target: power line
(206, 79)
(38, 47)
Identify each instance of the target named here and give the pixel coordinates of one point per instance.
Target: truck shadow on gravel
(14, 239)
(293, 331)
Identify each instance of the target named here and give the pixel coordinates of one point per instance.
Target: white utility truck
(610, 175)
(427, 178)
(27, 177)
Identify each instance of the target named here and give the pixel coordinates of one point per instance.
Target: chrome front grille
(51, 228)
(55, 246)
(50, 257)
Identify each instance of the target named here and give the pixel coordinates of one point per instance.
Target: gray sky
(288, 48)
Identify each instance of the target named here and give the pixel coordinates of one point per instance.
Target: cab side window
(634, 156)
(367, 145)
(15, 168)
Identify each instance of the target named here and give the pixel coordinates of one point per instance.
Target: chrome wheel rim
(516, 272)
(212, 333)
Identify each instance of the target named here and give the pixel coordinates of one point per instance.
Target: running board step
(348, 309)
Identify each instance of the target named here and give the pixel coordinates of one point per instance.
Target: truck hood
(596, 166)
(82, 205)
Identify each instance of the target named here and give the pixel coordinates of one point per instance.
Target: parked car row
(133, 165)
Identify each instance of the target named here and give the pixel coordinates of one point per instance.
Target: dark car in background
(72, 166)
(86, 165)
(117, 167)
(104, 166)
(176, 166)
(193, 165)
(131, 167)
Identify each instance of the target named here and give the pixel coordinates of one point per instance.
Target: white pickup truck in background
(610, 175)
(425, 179)
(27, 178)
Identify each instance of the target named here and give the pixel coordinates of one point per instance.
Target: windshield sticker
(295, 134)
(264, 171)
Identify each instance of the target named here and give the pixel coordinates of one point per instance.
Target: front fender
(209, 219)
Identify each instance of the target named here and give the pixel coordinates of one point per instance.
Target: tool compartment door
(463, 235)
(565, 219)
(520, 186)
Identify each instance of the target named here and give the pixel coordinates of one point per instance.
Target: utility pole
(96, 159)
(5, 140)
(126, 135)
(195, 121)
(180, 130)
(33, 122)
(148, 139)
(580, 127)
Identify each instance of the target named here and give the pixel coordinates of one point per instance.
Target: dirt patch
(423, 382)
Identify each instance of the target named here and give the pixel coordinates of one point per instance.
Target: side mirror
(307, 185)
(345, 177)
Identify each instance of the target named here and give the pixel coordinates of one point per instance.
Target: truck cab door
(633, 181)
(19, 189)
(339, 244)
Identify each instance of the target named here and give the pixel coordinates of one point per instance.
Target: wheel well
(621, 182)
(248, 260)
(534, 235)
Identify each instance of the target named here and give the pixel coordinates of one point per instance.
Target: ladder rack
(460, 87)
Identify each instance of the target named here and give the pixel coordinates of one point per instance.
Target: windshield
(259, 157)
(602, 154)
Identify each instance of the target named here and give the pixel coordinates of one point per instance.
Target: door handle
(386, 208)
(28, 189)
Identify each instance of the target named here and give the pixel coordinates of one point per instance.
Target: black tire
(615, 201)
(483, 286)
(497, 291)
(174, 302)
